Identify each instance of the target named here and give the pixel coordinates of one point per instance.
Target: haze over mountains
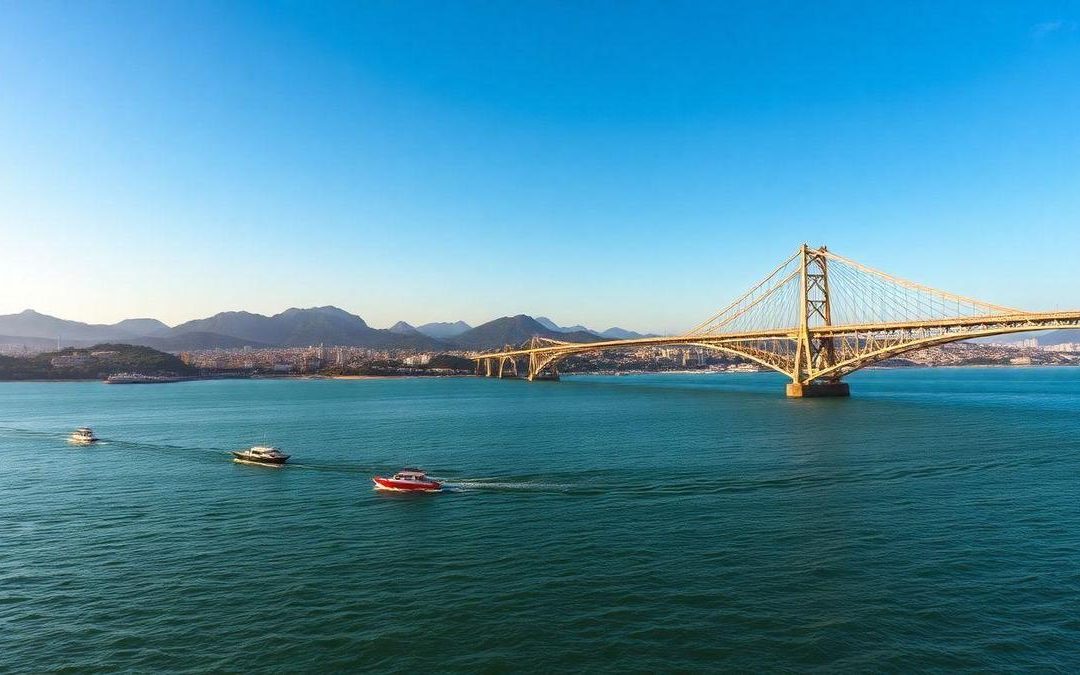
(291, 328)
(1042, 337)
(443, 330)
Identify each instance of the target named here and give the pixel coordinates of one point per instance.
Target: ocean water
(645, 523)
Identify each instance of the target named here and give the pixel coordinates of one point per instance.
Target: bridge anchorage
(815, 318)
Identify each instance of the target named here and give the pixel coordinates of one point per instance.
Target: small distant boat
(82, 436)
(407, 480)
(260, 454)
(139, 378)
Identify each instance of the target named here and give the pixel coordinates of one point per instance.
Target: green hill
(91, 363)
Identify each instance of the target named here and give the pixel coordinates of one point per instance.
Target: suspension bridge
(815, 318)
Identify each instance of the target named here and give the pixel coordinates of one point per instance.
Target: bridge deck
(995, 324)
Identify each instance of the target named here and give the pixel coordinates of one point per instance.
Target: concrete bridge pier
(818, 389)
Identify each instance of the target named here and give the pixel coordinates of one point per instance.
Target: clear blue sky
(629, 163)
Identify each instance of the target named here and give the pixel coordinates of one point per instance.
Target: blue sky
(626, 163)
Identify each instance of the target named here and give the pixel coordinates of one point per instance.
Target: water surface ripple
(646, 523)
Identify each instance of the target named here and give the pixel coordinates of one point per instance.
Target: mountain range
(513, 330)
(437, 330)
(330, 326)
(613, 333)
(291, 328)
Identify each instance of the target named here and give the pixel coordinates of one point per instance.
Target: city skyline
(464, 162)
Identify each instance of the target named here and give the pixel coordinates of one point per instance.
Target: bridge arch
(892, 351)
(553, 356)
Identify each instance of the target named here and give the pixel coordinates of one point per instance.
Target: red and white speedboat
(407, 480)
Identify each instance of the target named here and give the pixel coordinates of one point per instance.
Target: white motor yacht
(260, 454)
(82, 436)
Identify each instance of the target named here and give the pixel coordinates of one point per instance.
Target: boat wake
(336, 468)
(503, 485)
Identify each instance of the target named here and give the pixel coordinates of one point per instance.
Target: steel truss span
(815, 318)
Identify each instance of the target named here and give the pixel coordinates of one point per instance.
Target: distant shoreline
(367, 377)
(589, 373)
(245, 377)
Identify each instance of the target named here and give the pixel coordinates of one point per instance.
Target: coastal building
(1064, 347)
(70, 361)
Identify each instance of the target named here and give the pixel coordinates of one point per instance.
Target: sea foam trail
(19, 431)
(334, 468)
(471, 485)
(162, 447)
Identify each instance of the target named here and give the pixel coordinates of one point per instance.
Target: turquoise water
(648, 523)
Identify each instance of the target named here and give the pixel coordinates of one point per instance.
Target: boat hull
(240, 458)
(392, 485)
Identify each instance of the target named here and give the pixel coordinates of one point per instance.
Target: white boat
(139, 378)
(82, 436)
(260, 454)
